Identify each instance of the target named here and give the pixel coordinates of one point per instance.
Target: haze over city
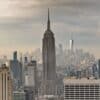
(49, 50)
(23, 22)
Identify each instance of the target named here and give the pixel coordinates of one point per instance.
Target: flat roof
(81, 81)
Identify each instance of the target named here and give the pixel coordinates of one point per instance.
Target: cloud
(26, 8)
(16, 8)
(27, 18)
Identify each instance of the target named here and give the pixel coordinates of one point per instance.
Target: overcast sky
(23, 22)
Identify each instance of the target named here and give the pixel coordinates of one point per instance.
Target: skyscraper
(99, 68)
(16, 70)
(71, 41)
(31, 75)
(49, 60)
(15, 55)
(5, 83)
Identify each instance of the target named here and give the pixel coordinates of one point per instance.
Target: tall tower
(71, 41)
(5, 83)
(16, 69)
(49, 60)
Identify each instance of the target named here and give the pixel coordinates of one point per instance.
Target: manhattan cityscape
(49, 50)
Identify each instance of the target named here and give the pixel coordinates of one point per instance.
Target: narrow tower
(71, 44)
(49, 60)
(5, 83)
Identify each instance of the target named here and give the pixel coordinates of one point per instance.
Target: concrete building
(5, 83)
(31, 74)
(81, 89)
(49, 61)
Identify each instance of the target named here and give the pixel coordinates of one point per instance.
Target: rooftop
(81, 81)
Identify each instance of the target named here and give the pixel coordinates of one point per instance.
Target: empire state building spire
(48, 23)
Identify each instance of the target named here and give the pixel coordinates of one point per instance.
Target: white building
(71, 46)
(81, 89)
(31, 74)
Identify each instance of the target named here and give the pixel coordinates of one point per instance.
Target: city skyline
(22, 24)
(54, 46)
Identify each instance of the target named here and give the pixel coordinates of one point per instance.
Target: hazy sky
(23, 22)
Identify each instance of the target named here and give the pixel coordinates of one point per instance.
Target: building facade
(31, 74)
(81, 89)
(5, 83)
(31, 82)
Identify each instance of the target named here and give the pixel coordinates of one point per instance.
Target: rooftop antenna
(48, 22)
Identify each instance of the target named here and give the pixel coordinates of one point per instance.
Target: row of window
(82, 92)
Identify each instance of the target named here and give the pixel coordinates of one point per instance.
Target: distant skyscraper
(94, 70)
(31, 74)
(99, 67)
(25, 59)
(5, 83)
(60, 49)
(60, 55)
(16, 70)
(49, 60)
(31, 84)
(71, 41)
(15, 55)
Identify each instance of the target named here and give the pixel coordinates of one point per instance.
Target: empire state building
(49, 60)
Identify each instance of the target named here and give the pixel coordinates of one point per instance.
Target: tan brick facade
(5, 84)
